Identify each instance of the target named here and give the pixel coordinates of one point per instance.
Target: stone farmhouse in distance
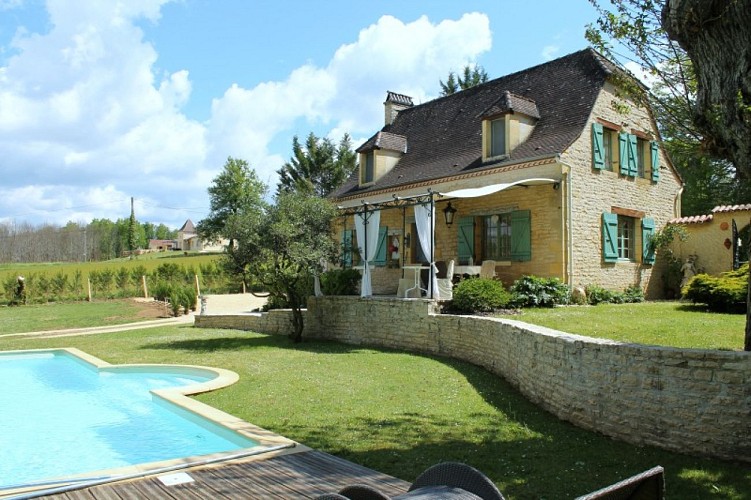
(550, 171)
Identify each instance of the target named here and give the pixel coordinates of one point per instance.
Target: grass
(43, 317)
(401, 413)
(672, 324)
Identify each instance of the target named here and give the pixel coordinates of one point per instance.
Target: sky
(102, 101)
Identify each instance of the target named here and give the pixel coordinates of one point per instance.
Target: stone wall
(690, 401)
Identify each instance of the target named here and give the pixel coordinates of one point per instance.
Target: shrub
(723, 293)
(480, 295)
(533, 291)
(633, 294)
(340, 282)
(162, 290)
(598, 295)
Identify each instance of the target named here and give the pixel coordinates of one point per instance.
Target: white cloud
(641, 73)
(86, 121)
(550, 52)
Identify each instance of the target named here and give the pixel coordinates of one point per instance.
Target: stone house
(188, 239)
(550, 171)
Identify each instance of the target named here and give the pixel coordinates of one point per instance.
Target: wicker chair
(649, 485)
(458, 475)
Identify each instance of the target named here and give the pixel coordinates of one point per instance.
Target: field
(55, 282)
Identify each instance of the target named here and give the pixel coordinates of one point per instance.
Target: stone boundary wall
(690, 401)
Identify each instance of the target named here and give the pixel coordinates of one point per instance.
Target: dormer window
(379, 155)
(506, 124)
(368, 170)
(498, 137)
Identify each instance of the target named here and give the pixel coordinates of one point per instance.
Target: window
(507, 236)
(607, 148)
(604, 147)
(640, 157)
(369, 168)
(626, 237)
(496, 244)
(498, 137)
(620, 238)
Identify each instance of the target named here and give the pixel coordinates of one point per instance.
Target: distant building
(188, 240)
(162, 245)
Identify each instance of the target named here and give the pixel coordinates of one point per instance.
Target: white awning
(494, 188)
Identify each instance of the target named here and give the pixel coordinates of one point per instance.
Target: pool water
(60, 416)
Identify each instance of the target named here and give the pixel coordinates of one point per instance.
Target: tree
(234, 191)
(283, 247)
(471, 76)
(631, 31)
(132, 238)
(716, 37)
(319, 167)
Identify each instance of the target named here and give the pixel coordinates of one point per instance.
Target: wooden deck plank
(298, 475)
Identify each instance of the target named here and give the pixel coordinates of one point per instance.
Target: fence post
(88, 280)
(145, 289)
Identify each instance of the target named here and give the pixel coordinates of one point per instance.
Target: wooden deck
(297, 475)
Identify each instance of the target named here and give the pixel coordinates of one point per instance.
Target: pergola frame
(397, 202)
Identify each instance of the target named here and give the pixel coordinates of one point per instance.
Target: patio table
(416, 271)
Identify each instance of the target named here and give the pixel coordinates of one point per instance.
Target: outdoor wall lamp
(448, 213)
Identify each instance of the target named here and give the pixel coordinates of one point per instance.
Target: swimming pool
(64, 413)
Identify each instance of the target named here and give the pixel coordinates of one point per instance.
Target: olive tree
(284, 246)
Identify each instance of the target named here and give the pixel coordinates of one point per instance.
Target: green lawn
(401, 413)
(673, 324)
(42, 317)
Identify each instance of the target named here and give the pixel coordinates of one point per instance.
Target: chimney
(395, 103)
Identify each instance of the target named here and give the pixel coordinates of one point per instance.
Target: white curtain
(425, 222)
(367, 254)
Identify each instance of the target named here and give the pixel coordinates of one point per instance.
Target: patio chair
(649, 485)
(455, 475)
(446, 284)
(487, 269)
(449, 480)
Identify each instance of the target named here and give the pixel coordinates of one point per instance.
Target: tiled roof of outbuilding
(691, 219)
(444, 136)
(731, 208)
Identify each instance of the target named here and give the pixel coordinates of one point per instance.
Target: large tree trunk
(716, 35)
(747, 342)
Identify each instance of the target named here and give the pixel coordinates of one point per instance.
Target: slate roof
(385, 140)
(512, 103)
(188, 227)
(444, 136)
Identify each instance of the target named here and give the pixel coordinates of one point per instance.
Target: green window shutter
(647, 231)
(609, 237)
(623, 152)
(381, 254)
(347, 248)
(466, 240)
(521, 235)
(633, 152)
(598, 147)
(654, 150)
